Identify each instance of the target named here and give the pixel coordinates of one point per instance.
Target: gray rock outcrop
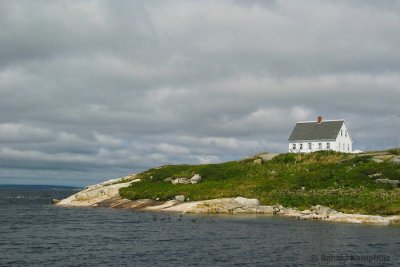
(195, 179)
(183, 180)
(267, 157)
(257, 161)
(265, 210)
(219, 205)
(180, 181)
(94, 194)
(180, 198)
(395, 160)
(323, 211)
(107, 196)
(374, 175)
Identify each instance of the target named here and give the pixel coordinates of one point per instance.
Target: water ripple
(35, 233)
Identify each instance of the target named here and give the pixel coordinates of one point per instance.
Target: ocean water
(35, 233)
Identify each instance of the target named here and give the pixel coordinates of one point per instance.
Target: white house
(310, 136)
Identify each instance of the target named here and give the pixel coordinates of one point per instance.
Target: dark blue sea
(35, 233)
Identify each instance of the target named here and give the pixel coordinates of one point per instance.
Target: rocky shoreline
(106, 194)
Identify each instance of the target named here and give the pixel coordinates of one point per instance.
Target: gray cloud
(91, 90)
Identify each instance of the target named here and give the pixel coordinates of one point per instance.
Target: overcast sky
(93, 90)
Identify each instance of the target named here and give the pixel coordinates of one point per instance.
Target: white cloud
(171, 149)
(207, 159)
(101, 89)
(16, 132)
(105, 140)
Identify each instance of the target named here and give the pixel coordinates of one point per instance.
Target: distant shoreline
(36, 186)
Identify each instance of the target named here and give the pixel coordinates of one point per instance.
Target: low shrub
(341, 181)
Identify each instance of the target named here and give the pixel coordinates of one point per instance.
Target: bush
(394, 151)
(285, 158)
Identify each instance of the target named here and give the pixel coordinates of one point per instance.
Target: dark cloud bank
(91, 90)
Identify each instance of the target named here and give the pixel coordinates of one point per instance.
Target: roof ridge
(322, 121)
(312, 130)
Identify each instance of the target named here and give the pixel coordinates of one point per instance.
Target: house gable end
(346, 134)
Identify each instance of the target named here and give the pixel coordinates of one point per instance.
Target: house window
(343, 147)
(301, 146)
(328, 145)
(309, 146)
(294, 146)
(345, 133)
(319, 145)
(341, 132)
(348, 147)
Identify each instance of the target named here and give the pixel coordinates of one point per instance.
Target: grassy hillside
(340, 181)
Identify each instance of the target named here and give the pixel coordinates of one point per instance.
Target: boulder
(265, 210)
(257, 161)
(395, 160)
(375, 175)
(267, 157)
(278, 209)
(323, 211)
(195, 179)
(180, 198)
(181, 181)
(55, 200)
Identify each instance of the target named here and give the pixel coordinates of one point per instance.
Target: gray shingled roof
(327, 130)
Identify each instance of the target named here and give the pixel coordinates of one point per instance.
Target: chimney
(319, 120)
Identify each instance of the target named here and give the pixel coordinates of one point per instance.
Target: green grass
(337, 180)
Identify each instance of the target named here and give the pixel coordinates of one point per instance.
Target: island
(323, 185)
